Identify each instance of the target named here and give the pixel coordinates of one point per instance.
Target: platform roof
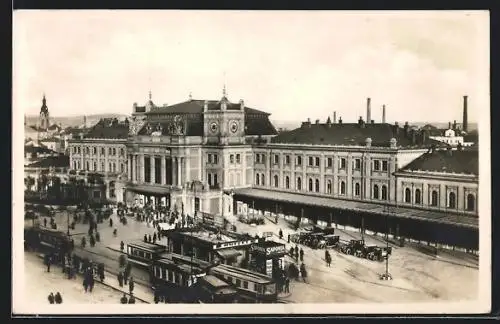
(368, 207)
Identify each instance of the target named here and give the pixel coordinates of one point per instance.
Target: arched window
(375, 192)
(418, 196)
(299, 183)
(287, 182)
(342, 188)
(434, 198)
(357, 189)
(452, 201)
(122, 152)
(407, 195)
(276, 181)
(262, 179)
(95, 166)
(384, 192)
(329, 187)
(257, 178)
(471, 202)
(88, 150)
(102, 167)
(88, 166)
(310, 184)
(317, 185)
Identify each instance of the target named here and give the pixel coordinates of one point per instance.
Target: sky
(292, 64)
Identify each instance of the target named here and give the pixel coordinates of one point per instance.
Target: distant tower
(44, 115)
(84, 121)
(464, 126)
(368, 111)
(383, 114)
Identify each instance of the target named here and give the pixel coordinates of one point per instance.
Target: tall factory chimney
(464, 125)
(383, 114)
(368, 111)
(334, 117)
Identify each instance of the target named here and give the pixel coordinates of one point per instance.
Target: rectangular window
(299, 160)
(329, 162)
(384, 165)
(238, 158)
(245, 284)
(209, 158)
(357, 164)
(287, 159)
(216, 159)
(209, 180)
(238, 283)
(342, 163)
(311, 161)
(317, 161)
(215, 179)
(376, 165)
(231, 158)
(276, 159)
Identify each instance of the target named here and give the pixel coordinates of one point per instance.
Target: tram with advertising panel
(212, 290)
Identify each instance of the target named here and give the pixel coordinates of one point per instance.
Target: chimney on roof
(368, 142)
(464, 121)
(406, 127)
(329, 122)
(334, 117)
(368, 110)
(242, 104)
(396, 128)
(361, 122)
(383, 114)
(449, 125)
(340, 120)
(454, 125)
(205, 106)
(317, 121)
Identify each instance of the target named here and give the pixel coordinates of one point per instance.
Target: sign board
(233, 244)
(213, 220)
(269, 251)
(269, 267)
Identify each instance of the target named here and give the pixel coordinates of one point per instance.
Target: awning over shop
(228, 253)
(151, 190)
(367, 207)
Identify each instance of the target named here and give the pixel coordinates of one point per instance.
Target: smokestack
(464, 122)
(368, 110)
(383, 114)
(334, 117)
(84, 121)
(449, 125)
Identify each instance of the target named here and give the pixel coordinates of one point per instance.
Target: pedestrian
(45, 222)
(91, 284)
(287, 285)
(49, 261)
(281, 234)
(296, 250)
(291, 251)
(125, 277)
(131, 285)
(149, 238)
(122, 246)
(58, 298)
(97, 236)
(303, 272)
(154, 240)
(154, 237)
(288, 238)
(120, 279)
(145, 238)
(84, 242)
(92, 241)
(124, 300)
(156, 296)
(301, 255)
(110, 222)
(131, 300)
(51, 298)
(115, 232)
(328, 260)
(85, 282)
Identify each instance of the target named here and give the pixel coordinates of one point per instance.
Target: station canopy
(357, 206)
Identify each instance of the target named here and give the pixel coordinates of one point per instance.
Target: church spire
(150, 95)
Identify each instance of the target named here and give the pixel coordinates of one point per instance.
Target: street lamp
(386, 275)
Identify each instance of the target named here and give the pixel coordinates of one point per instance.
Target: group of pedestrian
(125, 300)
(88, 279)
(125, 277)
(55, 299)
(297, 253)
(152, 239)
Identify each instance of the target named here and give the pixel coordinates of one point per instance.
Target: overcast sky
(293, 65)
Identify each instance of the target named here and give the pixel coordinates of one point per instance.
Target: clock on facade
(214, 127)
(233, 126)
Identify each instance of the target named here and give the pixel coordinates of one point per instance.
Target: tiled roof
(61, 161)
(465, 161)
(256, 121)
(37, 149)
(108, 128)
(351, 134)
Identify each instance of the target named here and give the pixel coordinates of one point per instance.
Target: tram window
(170, 276)
(245, 284)
(164, 274)
(258, 288)
(238, 283)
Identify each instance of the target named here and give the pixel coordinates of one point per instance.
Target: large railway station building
(221, 157)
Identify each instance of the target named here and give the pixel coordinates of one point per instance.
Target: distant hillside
(74, 121)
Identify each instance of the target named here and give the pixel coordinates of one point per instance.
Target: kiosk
(268, 257)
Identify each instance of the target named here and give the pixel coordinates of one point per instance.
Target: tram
(143, 254)
(212, 290)
(48, 241)
(252, 287)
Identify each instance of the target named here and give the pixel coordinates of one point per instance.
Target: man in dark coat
(287, 285)
(58, 298)
(288, 238)
(131, 285)
(280, 233)
(303, 272)
(45, 222)
(146, 238)
(131, 300)
(150, 239)
(296, 250)
(51, 298)
(120, 279)
(49, 261)
(110, 222)
(301, 255)
(122, 246)
(154, 237)
(124, 300)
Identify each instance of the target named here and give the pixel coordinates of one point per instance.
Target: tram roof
(241, 273)
(446, 217)
(147, 246)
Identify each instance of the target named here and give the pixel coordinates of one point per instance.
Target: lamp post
(386, 275)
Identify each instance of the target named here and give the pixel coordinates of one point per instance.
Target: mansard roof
(448, 161)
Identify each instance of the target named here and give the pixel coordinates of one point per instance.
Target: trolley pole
(67, 214)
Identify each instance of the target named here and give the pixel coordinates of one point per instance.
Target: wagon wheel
(348, 251)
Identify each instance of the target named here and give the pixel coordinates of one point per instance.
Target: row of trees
(51, 187)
